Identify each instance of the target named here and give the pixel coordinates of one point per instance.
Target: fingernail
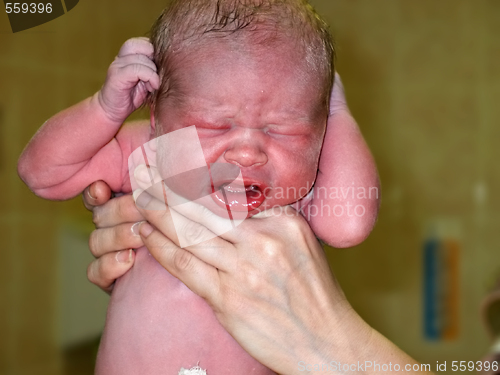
(135, 228)
(124, 256)
(136, 193)
(141, 173)
(90, 195)
(145, 229)
(143, 200)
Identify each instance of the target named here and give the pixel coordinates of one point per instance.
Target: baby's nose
(245, 154)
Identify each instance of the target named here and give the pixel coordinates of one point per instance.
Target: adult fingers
(187, 234)
(105, 270)
(96, 194)
(285, 211)
(119, 237)
(201, 278)
(116, 211)
(137, 46)
(224, 227)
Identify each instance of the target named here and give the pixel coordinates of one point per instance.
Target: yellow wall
(423, 81)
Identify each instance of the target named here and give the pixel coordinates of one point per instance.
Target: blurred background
(422, 79)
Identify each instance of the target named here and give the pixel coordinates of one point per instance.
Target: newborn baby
(255, 78)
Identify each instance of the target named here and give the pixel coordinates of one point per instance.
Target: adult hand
(267, 281)
(115, 236)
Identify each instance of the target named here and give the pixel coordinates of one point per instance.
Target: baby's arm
(83, 143)
(58, 164)
(346, 196)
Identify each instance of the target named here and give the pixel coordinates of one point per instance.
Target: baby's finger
(337, 98)
(198, 276)
(136, 46)
(119, 237)
(105, 270)
(117, 211)
(135, 59)
(96, 194)
(134, 72)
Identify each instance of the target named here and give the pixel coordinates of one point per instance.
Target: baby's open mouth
(239, 196)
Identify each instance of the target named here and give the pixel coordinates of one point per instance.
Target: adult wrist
(345, 343)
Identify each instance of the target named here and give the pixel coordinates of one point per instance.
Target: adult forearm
(352, 346)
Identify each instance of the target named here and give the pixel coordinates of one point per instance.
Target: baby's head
(254, 77)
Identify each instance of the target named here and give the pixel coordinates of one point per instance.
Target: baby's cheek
(294, 184)
(300, 158)
(304, 151)
(213, 149)
(296, 169)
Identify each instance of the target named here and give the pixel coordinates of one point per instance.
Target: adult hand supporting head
(115, 235)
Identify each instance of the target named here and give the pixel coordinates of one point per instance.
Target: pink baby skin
(259, 107)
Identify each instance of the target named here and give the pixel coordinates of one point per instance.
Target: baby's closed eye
(212, 128)
(288, 130)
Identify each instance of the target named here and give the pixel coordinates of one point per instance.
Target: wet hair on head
(186, 23)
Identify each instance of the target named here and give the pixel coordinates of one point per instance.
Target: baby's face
(262, 111)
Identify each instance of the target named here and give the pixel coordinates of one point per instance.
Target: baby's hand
(130, 77)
